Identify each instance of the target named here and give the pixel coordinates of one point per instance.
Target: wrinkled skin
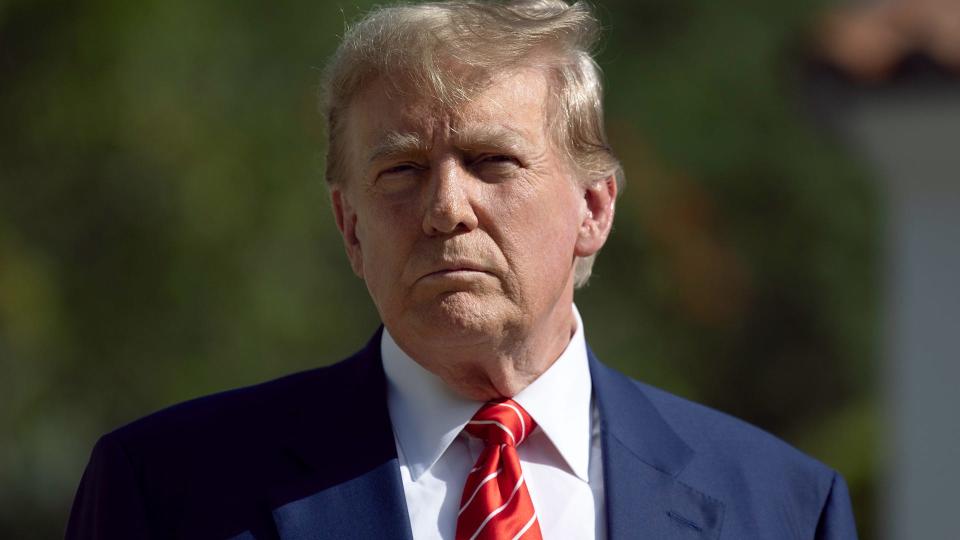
(465, 226)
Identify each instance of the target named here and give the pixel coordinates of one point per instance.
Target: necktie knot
(501, 422)
(496, 503)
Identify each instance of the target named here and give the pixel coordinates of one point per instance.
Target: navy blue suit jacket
(312, 456)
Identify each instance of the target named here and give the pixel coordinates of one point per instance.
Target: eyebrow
(478, 136)
(396, 144)
(472, 137)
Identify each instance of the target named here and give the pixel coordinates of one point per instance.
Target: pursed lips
(456, 267)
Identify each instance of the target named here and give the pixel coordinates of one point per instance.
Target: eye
(400, 173)
(497, 159)
(496, 167)
(402, 168)
(398, 178)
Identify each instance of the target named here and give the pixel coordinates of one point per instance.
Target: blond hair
(451, 50)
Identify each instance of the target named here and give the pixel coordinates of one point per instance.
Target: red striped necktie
(496, 504)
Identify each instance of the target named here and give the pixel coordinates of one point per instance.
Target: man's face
(464, 224)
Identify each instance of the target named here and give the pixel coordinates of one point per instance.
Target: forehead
(513, 106)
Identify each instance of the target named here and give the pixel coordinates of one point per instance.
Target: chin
(464, 317)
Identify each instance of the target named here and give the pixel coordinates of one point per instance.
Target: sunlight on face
(463, 224)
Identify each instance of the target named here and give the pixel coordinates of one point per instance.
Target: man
(473, 185)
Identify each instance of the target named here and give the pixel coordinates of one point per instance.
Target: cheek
(538, 230)
(387, 234)
(382, 263)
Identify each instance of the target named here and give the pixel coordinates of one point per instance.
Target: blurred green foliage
(165, 233)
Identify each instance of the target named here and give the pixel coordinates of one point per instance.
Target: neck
(499, 365)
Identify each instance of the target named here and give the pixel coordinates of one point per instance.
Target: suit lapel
(642, 460)
(367, 506)
(349, 486)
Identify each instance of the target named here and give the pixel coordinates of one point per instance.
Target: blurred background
(785, 250)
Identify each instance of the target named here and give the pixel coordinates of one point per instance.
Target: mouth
(459, 269)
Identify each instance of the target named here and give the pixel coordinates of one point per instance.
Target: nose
(449, 207)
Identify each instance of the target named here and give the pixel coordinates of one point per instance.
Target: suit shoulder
(734, 444)
(209, 460)
(766, 484)
(246, 412)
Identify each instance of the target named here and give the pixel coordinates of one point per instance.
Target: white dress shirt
(561, 460)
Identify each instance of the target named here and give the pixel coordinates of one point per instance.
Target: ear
(597, 218)
(346, 218)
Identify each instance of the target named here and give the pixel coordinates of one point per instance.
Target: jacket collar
(350, 485)
(643, 458)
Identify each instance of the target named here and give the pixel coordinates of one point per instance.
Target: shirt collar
(559, 401)
(427, 416)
